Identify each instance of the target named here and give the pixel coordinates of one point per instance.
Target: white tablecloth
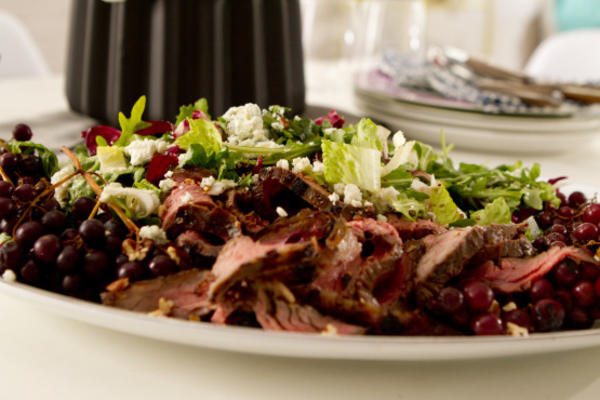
(47, 357)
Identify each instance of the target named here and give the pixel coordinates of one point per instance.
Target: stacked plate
(424, 119)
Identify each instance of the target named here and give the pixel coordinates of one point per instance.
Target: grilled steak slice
(517, 274)
(188, 290)
(278, 187)
(246, 262)
(197, 245)
(515, 248)
(240, 203)
(190, 176)
(188, 207)
(447, 254)
(418, 229)
(277, 310)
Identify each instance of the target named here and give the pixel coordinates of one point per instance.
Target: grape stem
(133, 228)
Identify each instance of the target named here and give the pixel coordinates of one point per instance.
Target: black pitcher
(176, 51)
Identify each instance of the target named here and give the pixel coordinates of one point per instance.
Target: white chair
(19, 55)
(572, 56)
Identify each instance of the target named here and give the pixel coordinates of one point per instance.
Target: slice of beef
(196, 245)
(278, 187)
(278, 312)
(515, 248)
(188, 290)
(245, 262)
(447, 254)
(414, 229)
(189, 207)
(190, 176)
(517, 274)
(240, 203)
(303, 226)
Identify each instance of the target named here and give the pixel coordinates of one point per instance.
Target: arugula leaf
(132, 124)
(48, 158)
(400, 178)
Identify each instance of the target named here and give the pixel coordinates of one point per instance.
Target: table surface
(44, 356)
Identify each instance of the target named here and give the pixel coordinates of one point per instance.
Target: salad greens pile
(363, 165)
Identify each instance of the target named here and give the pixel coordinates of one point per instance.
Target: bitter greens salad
(260, 218)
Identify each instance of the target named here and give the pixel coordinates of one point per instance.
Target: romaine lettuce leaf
(352, 164)
(496, 212)
(443, 207)
(366, 135)
(204, 133)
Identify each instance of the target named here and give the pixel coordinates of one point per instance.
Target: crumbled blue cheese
(398, 139)
(245, 127)
(61, 193)
(353, 195)
(281, 212)
(9, 275)
(381, 218)
(385, 197)
(339, 188)
(278, 126)
(334, 198)
(300, 164)
(283, 163)
(166, 184)
(318, 167)
(154, 233)
(216, 187)
(140, 202)
(187, 197)
(142, 151)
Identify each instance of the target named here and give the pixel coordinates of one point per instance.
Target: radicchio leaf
(334, 118)
(155, 128)
(199, 114)
(110, 134)
(159, 166)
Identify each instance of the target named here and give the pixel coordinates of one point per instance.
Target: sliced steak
(418, 229)
(278, 187)
(239, 202)
(517, 274)
(515, 248)
(278, 312)
(190, 176)
(196, 245)
(447, 254)
(246, 262)
(189, 207)
(188, 290)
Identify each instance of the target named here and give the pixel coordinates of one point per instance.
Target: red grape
(487, 324)
(478, 296)
(548, 315)
(22, 132)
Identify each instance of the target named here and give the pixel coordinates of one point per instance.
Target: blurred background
(504, 32)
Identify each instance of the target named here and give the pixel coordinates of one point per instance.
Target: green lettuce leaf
(187, 111)
(352, 164)
(443, 207)
(366, 135)
(408, 206)
(204, 133)
(496, 212)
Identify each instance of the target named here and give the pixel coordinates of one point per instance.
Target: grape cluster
(567, 297)
(77, 252)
